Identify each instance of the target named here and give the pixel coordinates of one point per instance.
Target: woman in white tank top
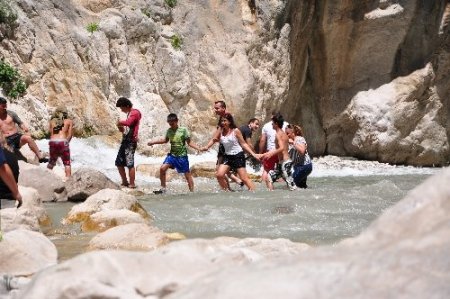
(231, 138)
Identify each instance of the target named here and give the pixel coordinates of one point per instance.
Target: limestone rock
(49, 185)
(107, 219)
(159, 272)
(133, 236)
(393, 123)
(306, 60)
(408, 244)
(31, 215)
(24, 252)
(107, 200)
(86, 182)
(153, 171)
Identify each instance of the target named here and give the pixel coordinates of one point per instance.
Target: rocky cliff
(364, 78)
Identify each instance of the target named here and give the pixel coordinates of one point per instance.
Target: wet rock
(105, 209)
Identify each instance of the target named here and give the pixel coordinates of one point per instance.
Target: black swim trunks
(14, 141)
(125, 156)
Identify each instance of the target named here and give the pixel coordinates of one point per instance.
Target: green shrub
(171, 3)
(176, 41)
(92, 27)
(7, 14)
(10, 81)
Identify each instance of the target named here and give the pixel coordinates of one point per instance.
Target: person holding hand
(177, 158)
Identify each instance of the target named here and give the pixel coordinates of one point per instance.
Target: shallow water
(344, 196)
(331, 209)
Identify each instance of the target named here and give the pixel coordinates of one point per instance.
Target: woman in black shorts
(232, 141)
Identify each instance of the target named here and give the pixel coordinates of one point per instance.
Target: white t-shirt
(271, 134)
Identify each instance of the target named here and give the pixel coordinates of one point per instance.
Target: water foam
(96, 153)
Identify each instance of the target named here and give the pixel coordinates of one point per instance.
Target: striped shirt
(296, 157)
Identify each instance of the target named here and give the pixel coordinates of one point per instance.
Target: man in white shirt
(266, 144)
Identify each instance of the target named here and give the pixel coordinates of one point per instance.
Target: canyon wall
(365, 78)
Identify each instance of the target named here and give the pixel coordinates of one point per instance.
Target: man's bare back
(282, 141)
(64, 132)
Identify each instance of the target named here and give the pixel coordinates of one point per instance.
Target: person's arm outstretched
(193, 145)
(158, 141)
(214, 139)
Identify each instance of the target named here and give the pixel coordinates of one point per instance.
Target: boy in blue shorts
(177, 158)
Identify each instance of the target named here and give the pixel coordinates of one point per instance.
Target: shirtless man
(284, 167)
(60, 128)
(8, 121)
(266, 144)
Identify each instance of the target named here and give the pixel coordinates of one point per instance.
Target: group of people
(282, 149)
(11, 140)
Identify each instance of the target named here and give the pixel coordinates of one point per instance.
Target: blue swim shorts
(181, 164)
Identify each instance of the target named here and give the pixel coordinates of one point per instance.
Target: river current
(344, 196)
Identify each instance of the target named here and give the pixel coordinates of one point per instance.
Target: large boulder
(401, 122)
(105, 209)
(24, 252)
(49, 185)
(133, 236)
(85, 182)
(31, 215)
(157, 273)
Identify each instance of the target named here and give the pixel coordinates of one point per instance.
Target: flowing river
(343, 198)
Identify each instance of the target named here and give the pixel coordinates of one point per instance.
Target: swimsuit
(14, 141)
(59, 148)
(125, 156)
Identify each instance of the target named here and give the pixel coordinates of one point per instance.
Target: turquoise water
(344, 197)
(332, 209)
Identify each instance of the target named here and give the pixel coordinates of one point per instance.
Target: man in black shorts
(14, 139)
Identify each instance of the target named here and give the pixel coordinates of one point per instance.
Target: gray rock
(86, 182)
(154, 274)
(49, 185)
